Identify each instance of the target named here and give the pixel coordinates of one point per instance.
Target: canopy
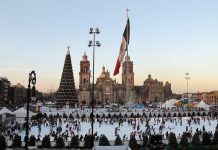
(139, 106)
(5, 110)
(21, 113)
(123, 147)
(170, 103)
(202, 105)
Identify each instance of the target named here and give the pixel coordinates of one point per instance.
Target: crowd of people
(68, 126)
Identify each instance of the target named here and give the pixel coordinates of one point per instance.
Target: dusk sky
(168, 38)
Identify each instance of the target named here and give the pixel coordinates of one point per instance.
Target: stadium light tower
(93, 44)
(187, 78)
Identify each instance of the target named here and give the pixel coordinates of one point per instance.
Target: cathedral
(106, 90)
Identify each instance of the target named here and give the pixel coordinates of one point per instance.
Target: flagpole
(127, 64)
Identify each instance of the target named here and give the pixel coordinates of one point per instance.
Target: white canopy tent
(170, 103)
(21, 113)
(202, 104)
(4, 110)
(123, 147)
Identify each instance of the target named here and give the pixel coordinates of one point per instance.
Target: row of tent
(174, 103)
(20, 113)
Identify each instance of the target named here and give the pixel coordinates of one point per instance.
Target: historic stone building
(84, 80)
(106, 90)
(154, 91)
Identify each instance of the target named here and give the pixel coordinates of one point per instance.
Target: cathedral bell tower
(84, 80)
(130, 77)
(130, 72)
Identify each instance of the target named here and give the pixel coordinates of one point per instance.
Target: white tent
(123, 147)
(5, 110)
(21, 113)
(170, 103)
(202, 105)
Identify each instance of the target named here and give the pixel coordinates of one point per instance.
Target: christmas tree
(66, 93)
(118, 141)
(3, 143)
(74, 142)
(60, 143)
(184, 140)
(103, 141)
(172, 140)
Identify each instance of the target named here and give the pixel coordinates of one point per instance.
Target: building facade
(106, 89)
(154, 91)
(4, 90)
(18, 95)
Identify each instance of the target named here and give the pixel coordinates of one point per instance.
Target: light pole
(187, 78)
(93, 44)
(32, 80)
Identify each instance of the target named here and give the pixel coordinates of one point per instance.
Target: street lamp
(187, 78)
(93, 44)
(32, 80)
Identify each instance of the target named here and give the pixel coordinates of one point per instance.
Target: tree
(16, 141)
(32, 141)
(60, 142)
(133, 143)
(172, 140)
(145, 140)
(88, 141)
(184, 140)
(118, 141)
(74, 142)
(215, 137)
(196, 140)
(206, 138)
(46, 143)
(3, 143)
(103, 141)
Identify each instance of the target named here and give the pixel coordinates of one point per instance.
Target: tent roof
(170, 103)
(5, 110)
(202, 104)
(123, 147)
(21, 112)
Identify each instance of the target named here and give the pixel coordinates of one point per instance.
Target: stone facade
(106, 90)
(154, 91)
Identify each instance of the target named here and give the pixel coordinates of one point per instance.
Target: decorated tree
(103, 141)
(215, 137)
(60, 142)
(88, 141)
(3, 143)
(16, 141)
(172, 140)
(206, 138)
(118, 141)
(184, 140)
(74, 142)
(133, 143)
(145, 140)
(46, 143)
(32, 141)
(196, 140)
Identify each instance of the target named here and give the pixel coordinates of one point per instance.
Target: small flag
(123, 47)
